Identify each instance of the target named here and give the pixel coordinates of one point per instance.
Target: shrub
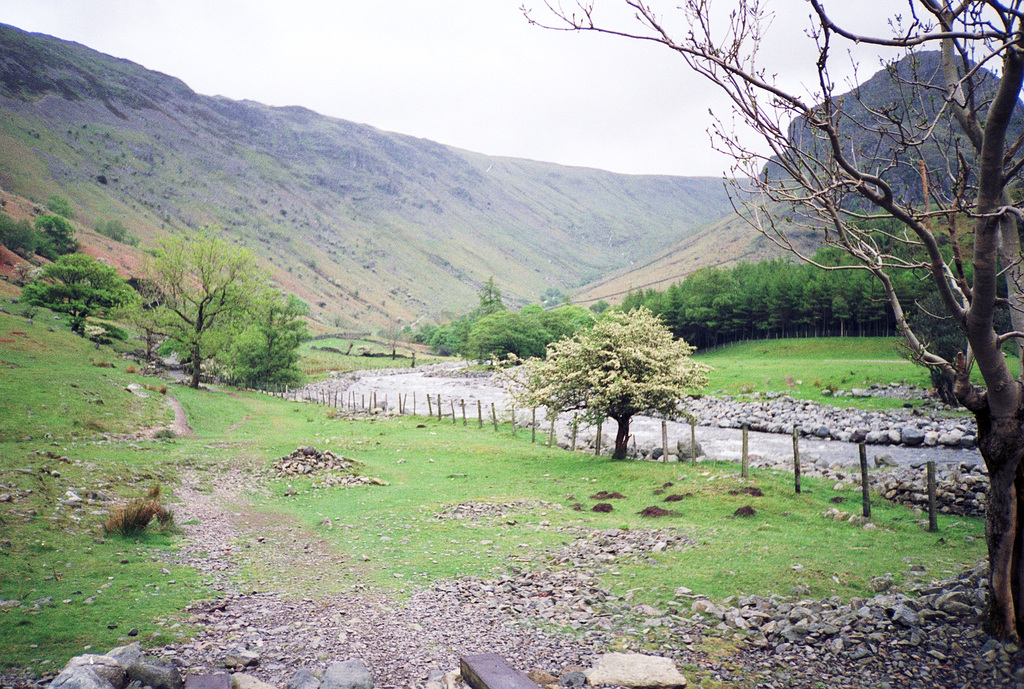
(165, 434)
(134, 518)
(61, 206)
(131, 369)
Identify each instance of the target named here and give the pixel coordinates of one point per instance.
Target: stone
(905, 616)
(635, 670)
(240, 680)
(303, 679)
(104, 666)
(127, 655)
(82, 677)
(239, 657)
(911, 436)
(158, 674)
(349, 674)
(218, 680)
(542, 678)
(684, 451)
(573, 680)
(885, 460)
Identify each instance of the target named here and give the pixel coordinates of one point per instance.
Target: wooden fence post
(933, 522)
(463, 411)
(430, 408)
(439, 412)
(745, 470)
(494, 417)
(479, 414)
(575, 428)
(533, 425)
(864, 490)
(796, 458)
(693, 443)
(551, 433)
(664, 441)
(453, 411)
(597, 443)
(513, 410)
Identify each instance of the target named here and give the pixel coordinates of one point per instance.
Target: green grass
(395, 530)
(57, 384)
(388, 538)
(803, 367)
(316, 363)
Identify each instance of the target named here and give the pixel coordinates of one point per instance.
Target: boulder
(635, 670)
(158, 674)
(350, 674)
(303, 679)
(105, 667)
(685, 452)
(81, 677)
(911, 436)
(126, 655)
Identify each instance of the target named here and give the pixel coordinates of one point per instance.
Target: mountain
(905, 97)
(367, 226)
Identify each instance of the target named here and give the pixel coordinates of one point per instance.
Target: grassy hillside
(367, 226)
(720, 243)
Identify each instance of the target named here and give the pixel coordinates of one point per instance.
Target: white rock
(635, 670)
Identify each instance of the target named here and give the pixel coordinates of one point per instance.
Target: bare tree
(842, 162)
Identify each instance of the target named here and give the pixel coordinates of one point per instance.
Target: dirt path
(298, 600)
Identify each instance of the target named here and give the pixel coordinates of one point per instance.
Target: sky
(473, 74)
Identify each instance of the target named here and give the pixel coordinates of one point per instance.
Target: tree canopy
(627, 364)
(78, 285)
(204, 283)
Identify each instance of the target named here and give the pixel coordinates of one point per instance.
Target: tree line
(775, 299)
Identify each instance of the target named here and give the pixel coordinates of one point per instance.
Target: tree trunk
(196, 368)
(621, 438)
(1002, 446)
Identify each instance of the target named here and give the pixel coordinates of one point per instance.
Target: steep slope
(368, 226)
(908, 93)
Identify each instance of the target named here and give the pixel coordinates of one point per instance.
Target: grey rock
(104, 666)
(573, 680)
(635, 670)
(127, 655)
(350, 674)
(158, 674)
(79, 678)
(912, 436)
(303, 679)
(905, 616)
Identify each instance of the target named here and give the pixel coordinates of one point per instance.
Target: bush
(134, 518)
(61, 206)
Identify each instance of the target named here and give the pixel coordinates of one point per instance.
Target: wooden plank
(491, 671)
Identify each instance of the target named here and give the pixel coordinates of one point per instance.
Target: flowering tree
(627, 364)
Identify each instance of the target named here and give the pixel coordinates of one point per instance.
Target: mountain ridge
(364, 224)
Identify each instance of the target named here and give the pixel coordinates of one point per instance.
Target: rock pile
(476, 510)
(781, 414)
(960, 489)
(124, 666)
(309, 460)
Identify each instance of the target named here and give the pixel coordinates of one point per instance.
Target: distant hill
(913, 84)
(367, 226)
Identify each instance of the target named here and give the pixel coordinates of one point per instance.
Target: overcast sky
(468, 73)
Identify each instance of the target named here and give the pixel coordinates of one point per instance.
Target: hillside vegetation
(367, 226)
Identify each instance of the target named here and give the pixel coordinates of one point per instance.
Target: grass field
(317, 359)
(79, 588)
(802, 368)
